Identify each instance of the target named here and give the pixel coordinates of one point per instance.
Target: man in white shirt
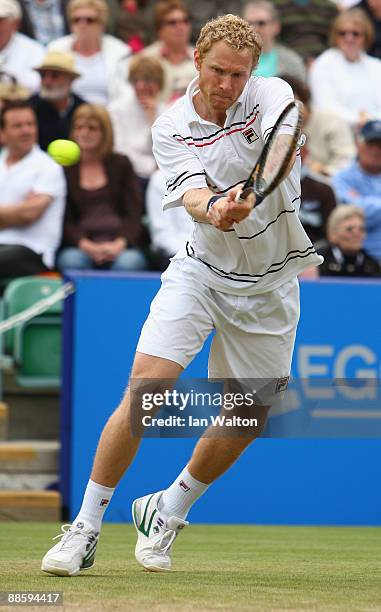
(32, 196)
(19, 54)
(236, 275)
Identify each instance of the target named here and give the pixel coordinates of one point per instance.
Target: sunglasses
(53, 74)
(174, 22)
(354, 33)
(88, 20)
(260, 23)
(351, 228)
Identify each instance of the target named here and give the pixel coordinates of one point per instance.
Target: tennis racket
(272, 165)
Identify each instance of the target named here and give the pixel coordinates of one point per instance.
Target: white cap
(10, 9)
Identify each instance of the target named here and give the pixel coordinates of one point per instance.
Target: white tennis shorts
(254, 335)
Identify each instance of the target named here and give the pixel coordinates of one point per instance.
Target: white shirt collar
(193, 116)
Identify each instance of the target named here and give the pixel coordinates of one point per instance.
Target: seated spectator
(10, 90)
(203, 11)
(44, 20)
(344, 79)
(316, 203)
(18, 53)
(103, 220)
(274, 59)
(373, 9)
(305, 25)
(55, 103)
(32, 194)
(360, 184)
(169, 230)
(330, 141)
(343, 252)
(100, 59)
(172, 49)
(133, 114)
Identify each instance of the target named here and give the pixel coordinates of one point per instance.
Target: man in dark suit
(55, 104)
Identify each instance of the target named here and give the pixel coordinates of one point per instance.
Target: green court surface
(216, 568)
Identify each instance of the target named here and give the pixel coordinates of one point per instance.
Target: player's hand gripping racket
(273, 163)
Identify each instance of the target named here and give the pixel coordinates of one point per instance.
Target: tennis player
(237, 275)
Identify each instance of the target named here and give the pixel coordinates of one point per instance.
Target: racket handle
(242, 195)
(245, 193)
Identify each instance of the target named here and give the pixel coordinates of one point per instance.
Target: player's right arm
(223, 213)
(186, 182)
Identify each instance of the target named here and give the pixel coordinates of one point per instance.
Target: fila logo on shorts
(184, 486)
(250, 135)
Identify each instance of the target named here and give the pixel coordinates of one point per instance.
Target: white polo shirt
(39, 173)
(19, 58)
(270, 246)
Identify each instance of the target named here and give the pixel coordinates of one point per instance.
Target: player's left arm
(26, 212)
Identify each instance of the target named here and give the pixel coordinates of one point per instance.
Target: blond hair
(99, 6)
(341, 213)
(356, 16)
(147, 69)
(98, 113)
(233, 30)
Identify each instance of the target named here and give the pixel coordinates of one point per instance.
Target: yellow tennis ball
(64, 152)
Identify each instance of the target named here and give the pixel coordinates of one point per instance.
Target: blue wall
(283, 481)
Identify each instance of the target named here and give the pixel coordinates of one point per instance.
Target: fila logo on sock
(104, 502)
(184, 486)
(281, 384)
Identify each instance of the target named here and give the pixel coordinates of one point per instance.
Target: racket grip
(245, 193)
(242, 195)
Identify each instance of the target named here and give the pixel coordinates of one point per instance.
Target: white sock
(94, 504)
(181, 495)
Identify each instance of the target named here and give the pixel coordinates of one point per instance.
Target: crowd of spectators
(101, 71)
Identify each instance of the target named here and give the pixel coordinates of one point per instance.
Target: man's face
(369, 155)
(349, 234)
(7, 28)
(19, 133)
(176, 29)
(55, 85)
(223, 74)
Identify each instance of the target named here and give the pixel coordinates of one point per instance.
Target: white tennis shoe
(156, 533)
(75, 551)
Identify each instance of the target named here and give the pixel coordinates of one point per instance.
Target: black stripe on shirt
(174, 181)
(295, 254)
(268, 225)
(185, 178)
(226, 128)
